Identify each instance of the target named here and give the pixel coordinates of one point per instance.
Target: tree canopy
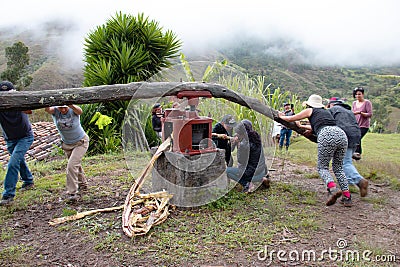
(17, 61)
(128, 49)
(125, 49)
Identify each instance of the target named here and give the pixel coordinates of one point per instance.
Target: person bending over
(332, 145)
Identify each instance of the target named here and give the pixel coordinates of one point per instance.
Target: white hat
(314, 101)
(63, 106)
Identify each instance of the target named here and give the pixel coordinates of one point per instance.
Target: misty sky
(338, 32)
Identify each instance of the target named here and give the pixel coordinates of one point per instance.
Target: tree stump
(194, 180)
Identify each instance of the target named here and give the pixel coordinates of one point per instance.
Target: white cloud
(338, 32)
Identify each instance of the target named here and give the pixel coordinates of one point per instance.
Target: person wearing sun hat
(332, 146)
(18, 134)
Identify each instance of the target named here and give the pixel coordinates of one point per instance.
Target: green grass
(303, 151)
(380, 159)
(247, 223)
(235, 222)
(13, 253)
(6, 234)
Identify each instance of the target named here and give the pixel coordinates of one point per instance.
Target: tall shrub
(125, 49)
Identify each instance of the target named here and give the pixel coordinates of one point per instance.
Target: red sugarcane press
(191, 133)
(194, 171)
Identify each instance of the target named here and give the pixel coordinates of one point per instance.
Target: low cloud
(332, 32)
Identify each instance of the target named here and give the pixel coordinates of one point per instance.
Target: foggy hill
(285, 66)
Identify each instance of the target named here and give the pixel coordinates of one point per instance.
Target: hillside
(46, 65)
(289, 71)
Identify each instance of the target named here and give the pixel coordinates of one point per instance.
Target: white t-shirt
(276, 129)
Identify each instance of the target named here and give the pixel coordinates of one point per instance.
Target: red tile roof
(46, 138)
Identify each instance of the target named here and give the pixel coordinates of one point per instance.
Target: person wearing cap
(18, 134)
(251, 165)
(285, 132)
(346, 120)
(332, 146)
(221, 133)
(156, 115)
(362, 109)
(75, 143)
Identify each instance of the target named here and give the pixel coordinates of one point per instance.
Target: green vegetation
(125, 49)
(17, 65)
(232, 221)
(380, 160)
(236, 222)
(13, 253)
(289, 73)
(204, 234)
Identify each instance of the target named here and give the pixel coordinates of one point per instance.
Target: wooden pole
(30, 100)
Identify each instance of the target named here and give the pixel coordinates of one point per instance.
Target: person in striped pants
(332, 145)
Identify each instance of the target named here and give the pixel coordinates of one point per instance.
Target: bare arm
(77, 110)
(49, 110)
(305, 126)
(306, 113)
(368, 109)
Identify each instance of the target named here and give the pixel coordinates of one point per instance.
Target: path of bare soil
(373, 222)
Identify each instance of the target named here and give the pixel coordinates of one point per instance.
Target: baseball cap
(335, 100)
(6, 86)
(229, 120)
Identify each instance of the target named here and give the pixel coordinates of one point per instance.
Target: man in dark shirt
(221, 133)
(156, 115)
(18, 134)
(346, 120)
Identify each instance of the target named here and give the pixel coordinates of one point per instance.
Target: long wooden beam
(30, 100)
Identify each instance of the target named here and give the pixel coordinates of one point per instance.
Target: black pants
(364, 131)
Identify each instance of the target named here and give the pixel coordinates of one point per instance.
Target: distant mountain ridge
(288, 71)
(291, 71)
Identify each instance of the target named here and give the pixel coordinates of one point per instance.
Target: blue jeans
(17, 164)
(285, 134)
(235, 174)
(353, 177)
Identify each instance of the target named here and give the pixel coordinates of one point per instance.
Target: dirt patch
(373, 224)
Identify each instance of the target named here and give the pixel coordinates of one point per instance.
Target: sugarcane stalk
(80, 215)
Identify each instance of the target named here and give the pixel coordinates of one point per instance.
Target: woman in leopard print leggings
(332, 145)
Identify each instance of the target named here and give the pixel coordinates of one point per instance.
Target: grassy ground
(380, 160)
(232, 231)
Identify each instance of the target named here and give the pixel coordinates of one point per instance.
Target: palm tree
(126, 49)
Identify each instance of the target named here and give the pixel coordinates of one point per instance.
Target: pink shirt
(366, 108)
